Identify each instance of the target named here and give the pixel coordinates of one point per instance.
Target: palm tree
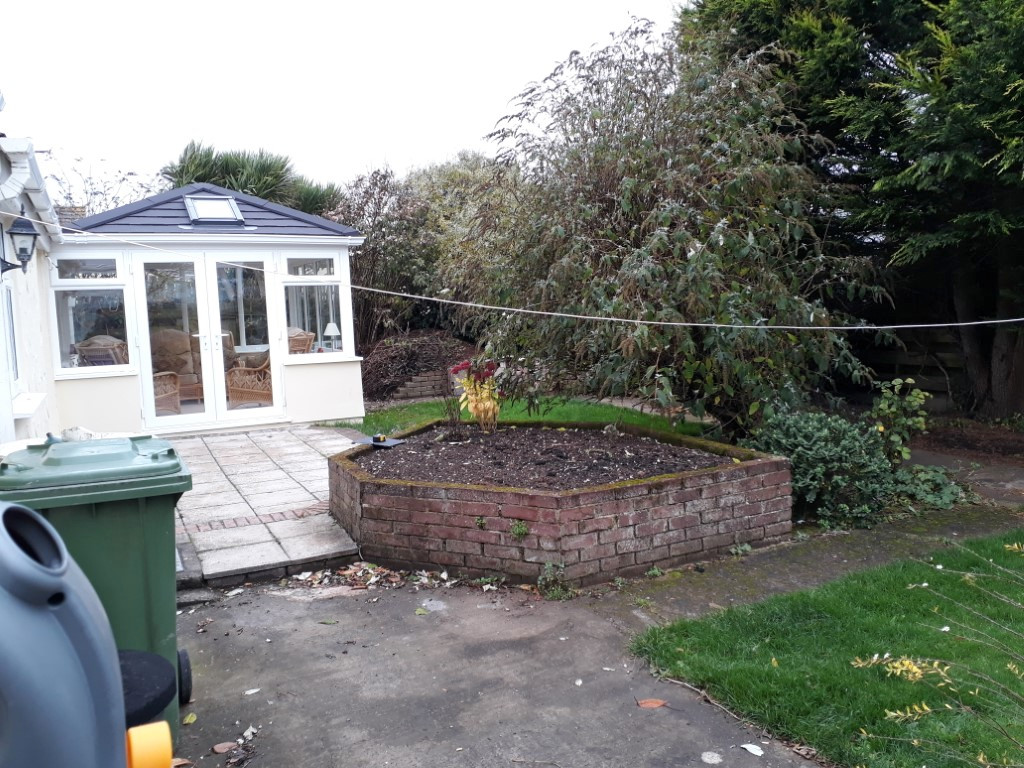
(261, 173)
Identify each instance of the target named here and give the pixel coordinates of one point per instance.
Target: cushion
(172, 351)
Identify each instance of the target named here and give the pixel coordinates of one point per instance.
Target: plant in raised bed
(480, 394)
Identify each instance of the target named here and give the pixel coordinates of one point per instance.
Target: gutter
(26, 179)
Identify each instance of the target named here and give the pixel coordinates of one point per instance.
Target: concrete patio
(258, 505)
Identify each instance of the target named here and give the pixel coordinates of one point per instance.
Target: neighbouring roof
(167, 213)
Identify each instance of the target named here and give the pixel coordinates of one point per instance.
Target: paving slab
(288, 529)
(259, 499)
(242, 482)
(319, 547)
(221, 512)
(200, 500)
(226, 538)
(250, 560)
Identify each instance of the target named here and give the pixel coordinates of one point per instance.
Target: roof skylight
(212, 209)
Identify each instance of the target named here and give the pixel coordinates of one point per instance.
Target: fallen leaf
(224, 746)
(752, 749)
(775, 662)
(251, 691)
(651, 703)
(328, 621)
(234, 592)
(249, 733)
(189, 718)
(422, 611)
(180, 762)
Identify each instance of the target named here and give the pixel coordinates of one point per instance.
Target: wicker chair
(300, 342)
(102, 350)
(250, 386)
(167, 392)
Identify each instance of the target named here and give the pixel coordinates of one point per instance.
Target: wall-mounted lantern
(23, 235)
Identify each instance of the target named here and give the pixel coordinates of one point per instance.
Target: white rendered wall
(107, 404)
(323, 392)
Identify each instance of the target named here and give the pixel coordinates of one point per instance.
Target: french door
(206, 342)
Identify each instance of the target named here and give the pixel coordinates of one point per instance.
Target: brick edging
(321, 507)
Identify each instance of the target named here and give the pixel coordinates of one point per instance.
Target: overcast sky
(340, 87)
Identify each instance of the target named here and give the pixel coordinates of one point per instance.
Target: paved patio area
(258, 507)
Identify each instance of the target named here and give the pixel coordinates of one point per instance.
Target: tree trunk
(1007, 377)
(973, 339)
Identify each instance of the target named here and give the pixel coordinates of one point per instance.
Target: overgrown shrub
(841, 475)
(848, 473)
(898, 414)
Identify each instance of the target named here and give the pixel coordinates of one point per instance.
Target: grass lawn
(786, 663)
(401, 417)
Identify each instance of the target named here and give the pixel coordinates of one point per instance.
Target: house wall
(27, 400)
(322, 391)
(32, 328)
(107, 404)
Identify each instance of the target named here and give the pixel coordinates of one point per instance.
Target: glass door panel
(245, 337)
(175, 341)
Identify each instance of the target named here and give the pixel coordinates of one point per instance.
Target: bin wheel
(184, 677)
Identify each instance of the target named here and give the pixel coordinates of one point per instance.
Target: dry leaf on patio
(651, 703)
(224, 747)
(190, 718)
(422, 611)
(752, 749)
(180, 762)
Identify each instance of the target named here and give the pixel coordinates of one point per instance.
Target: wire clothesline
(564, 315)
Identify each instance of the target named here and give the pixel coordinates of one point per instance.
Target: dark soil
(973, 440)
(545, 459)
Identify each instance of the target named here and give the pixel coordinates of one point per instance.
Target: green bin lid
(88, 461)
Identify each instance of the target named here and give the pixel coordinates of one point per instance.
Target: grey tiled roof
(166, 213)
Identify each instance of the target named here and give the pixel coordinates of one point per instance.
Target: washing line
(569, 315)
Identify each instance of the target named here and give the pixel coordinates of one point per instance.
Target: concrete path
(441, 678)
(998, 482)
(258, 507)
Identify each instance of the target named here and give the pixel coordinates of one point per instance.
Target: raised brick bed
(598, 533)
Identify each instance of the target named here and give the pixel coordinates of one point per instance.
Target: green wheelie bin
(112, 501)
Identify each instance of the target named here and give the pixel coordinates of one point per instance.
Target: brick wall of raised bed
(623, 529)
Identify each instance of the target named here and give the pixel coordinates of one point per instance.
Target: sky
(341, 88)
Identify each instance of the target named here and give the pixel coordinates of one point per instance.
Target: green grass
(815, 696)
(399, 417)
